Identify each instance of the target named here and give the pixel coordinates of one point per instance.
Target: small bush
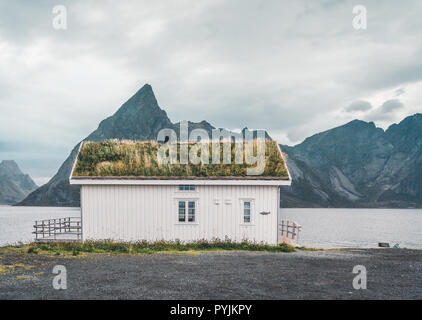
(33, 250)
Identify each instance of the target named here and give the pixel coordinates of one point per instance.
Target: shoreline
(326, 228)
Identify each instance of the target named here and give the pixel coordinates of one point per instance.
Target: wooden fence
(290, 230)
(62, 229)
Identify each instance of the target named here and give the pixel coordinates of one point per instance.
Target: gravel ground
(391, 274)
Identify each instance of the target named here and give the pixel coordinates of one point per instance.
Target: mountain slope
(14, 185)
(139, 118)
(354, 165)
(358, 165)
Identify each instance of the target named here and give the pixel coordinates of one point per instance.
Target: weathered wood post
(298, 231)
(78, 228)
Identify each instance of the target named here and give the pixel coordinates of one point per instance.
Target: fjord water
(321, 228)
(16, 223)
(333, 228)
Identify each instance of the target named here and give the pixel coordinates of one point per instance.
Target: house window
(191, 212)
(182, 211)
(186, 187)
(191, 207)
(246, 212)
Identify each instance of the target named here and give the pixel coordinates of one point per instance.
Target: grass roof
(115, 158)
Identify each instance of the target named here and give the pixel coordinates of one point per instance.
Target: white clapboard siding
(150, 212)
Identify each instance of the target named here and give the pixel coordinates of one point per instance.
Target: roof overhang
(204, 181)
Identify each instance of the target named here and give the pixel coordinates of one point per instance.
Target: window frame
(251, 211)
(195, 190)
(196, 213)
(247, 209)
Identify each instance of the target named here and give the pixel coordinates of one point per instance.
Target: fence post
(298, 231)
(77, 230)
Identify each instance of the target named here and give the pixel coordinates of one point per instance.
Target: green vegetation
(140, 158)
(144, 247)
(309, 249)
(5, 269)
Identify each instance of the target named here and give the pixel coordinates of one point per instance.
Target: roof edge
(215, 182)
(171, 178)
(285, 162)
(75, 161)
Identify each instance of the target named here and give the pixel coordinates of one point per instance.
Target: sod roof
(139, 160)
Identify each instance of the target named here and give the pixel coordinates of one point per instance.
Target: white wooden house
(142, 204)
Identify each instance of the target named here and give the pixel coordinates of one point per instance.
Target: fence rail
(62, 229)
(290, 229)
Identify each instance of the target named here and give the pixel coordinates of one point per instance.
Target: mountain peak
(139, 118)
(406, 135)
(144, 98)
(146, 89)
(14, 185)
(410, 121)
(359, 124)
(10, 166)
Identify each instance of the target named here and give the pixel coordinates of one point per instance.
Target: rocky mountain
(354, 165)
(14, 185)
(358, 165)
(139, 118)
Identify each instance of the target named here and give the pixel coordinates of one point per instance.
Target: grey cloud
(385, 111)
(279, 65)
(391, 105)
(399, 92)
(360, 105)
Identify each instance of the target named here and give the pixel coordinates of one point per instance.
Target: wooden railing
(290, 229)
(62, 229)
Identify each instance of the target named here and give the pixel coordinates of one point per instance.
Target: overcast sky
(292, 67)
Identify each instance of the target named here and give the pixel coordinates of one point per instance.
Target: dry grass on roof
(139, 158)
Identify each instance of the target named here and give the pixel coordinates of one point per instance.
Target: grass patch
(140, 158)
(144, 247)
(23, 278)
(309, 249)
(5, 269)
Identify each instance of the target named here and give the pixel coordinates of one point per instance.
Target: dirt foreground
(391, 274)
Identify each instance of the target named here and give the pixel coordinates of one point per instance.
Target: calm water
(325, 228)
(330, 228)
(16, 223)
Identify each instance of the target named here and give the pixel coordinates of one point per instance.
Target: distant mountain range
(358, 165)
(14, 185)
(354, 165)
